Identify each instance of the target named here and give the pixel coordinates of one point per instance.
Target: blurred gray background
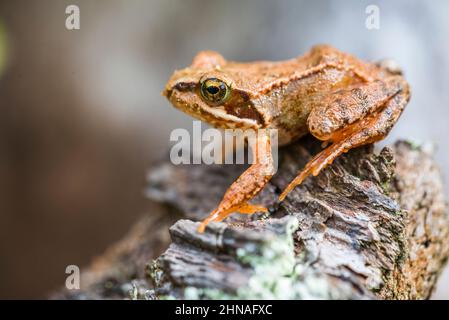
(82, 118)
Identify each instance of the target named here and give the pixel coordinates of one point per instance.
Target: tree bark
(370, 226)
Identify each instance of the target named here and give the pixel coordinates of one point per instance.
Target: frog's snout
(167, 93)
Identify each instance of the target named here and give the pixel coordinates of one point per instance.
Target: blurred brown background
(82, 118)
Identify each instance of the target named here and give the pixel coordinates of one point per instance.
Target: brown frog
(330, 94)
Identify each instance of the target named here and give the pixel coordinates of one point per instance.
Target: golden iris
(214, 90)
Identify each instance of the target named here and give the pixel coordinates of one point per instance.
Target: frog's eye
(214, 90)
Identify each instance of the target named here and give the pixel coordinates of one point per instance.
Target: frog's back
(288, 90)
(263, 76)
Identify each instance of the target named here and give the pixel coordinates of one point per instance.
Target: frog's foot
(220, 214)
(372, 128)
(215, 216)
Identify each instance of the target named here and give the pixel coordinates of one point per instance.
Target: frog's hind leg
(247, 185)
(367, 129)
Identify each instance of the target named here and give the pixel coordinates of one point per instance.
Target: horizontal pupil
(213, 89)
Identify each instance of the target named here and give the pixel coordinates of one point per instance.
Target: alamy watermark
(72, 21)
(372, 21)
(72, 282)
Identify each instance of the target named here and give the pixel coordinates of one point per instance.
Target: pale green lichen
(414, 144)
(277, 275)
(386, 187)
(138, 290)
(154, 272)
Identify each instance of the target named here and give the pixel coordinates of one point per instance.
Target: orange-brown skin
(328, 93)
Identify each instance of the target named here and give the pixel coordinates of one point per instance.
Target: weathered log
(369, 226)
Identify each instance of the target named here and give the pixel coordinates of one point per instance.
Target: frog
(334, 96)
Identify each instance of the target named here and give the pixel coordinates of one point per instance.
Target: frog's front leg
(248, 184)
(353, 117)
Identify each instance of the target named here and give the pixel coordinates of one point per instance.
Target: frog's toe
(251, 208)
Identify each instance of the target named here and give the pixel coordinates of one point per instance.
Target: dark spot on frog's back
(357, 92)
